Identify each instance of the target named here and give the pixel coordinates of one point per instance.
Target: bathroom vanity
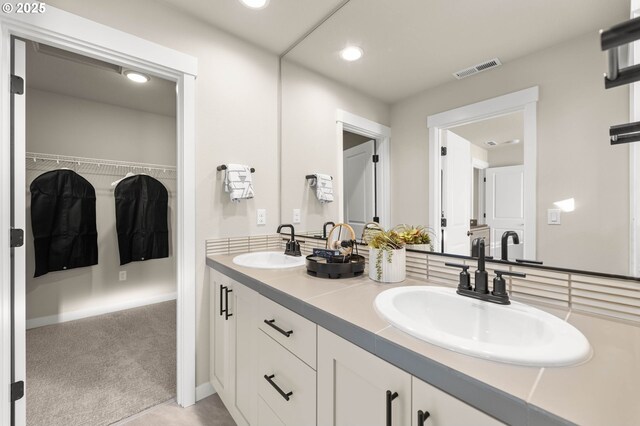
(290, 349)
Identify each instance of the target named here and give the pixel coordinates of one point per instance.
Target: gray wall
(574, 155)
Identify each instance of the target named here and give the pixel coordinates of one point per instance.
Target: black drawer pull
(422, 417)
(276, 387)
(222, 289)
(390, 397)
(226, 303)
(271, 323)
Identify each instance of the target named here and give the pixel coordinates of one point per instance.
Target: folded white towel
(324, 187)
(237, 182)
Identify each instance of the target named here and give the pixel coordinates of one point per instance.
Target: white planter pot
(391, 272)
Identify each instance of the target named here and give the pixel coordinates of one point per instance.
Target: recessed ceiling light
(512, 142)
(255, 4)
(136, 76)
(351, 53)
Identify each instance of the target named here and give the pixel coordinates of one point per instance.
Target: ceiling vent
(491, 143)
(486, 65)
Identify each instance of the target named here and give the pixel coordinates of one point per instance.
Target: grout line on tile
(535, 384)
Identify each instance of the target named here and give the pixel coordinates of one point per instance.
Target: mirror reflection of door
(359, 180)
(483, 185)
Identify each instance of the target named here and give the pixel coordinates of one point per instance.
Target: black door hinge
(443, 222)
(17, 391)
(17, 85)
(376, 219)
(376, 158)
(443, 150)
(484, 215)
(485, 179)
(16, 238)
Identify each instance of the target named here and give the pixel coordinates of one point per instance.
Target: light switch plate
(122, 276)
(553, 216)
(261, 217)
(296, 215)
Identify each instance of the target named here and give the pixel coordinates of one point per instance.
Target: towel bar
(224, 167)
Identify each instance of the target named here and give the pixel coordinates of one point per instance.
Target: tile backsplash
(617, 298)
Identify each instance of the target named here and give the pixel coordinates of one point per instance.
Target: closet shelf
(97, 166)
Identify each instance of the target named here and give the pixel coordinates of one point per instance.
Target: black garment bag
(141, 219)
(63, 219)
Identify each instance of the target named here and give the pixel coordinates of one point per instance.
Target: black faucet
(481, 290)
(504, 245)
(324, 229)
(293, 247)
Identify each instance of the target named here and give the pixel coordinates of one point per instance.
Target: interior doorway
(100, 309)
(359, 185)
(67, 31)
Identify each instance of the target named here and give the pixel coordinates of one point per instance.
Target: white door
(18, 221)
(505, 207)
(358, 388)
(359, 186)
(456, 193)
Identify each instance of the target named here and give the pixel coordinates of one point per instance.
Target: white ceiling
(414, 45)
(274, 28)
(73, 78)
(499, 129)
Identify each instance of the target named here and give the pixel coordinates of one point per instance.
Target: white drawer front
(266, 416)
(296, 333)
(295, 379)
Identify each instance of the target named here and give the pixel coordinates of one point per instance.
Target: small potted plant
(387, 254)
(416, 237)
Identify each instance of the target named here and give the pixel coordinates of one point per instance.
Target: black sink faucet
(324, 228)
(481, 289)
(293, 247)
(504, 245)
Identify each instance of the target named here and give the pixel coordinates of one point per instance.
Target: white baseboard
(204, 390)
(99, 310)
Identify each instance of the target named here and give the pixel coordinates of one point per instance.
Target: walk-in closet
(101, 228)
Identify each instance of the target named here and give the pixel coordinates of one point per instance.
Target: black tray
(328, 269)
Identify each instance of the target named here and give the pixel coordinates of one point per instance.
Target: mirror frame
(523, 100)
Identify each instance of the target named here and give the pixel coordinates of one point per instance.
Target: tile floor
(207, 412)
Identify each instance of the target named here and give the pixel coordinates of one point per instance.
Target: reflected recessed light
(136, 76)
(255, 4)
(351, 53)
(512, 142)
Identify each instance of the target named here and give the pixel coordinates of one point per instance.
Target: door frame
(524, 100)
(76, 34)
(634, 160)
(381, 134)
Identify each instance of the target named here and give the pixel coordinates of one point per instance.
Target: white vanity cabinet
(273, 367)
(358, 388)
(441, 409)
(233, 362)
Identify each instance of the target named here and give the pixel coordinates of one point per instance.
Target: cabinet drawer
(291, 388)
(266, 416)
(292, 331)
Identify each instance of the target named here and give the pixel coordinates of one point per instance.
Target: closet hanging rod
(35, 156)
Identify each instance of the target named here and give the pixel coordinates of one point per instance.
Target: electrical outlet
(261, 217)
(122, 276)
(296, 215)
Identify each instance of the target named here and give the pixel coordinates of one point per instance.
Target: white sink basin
(515, 334)
(268, 260)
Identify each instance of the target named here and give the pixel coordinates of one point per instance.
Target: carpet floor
(97, 371)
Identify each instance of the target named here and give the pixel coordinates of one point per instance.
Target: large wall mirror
(515, 95)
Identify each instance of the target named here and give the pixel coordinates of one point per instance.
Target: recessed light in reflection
(136, 76)
(255, 4)
(351, 53)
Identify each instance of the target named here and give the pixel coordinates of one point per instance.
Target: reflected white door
(358, 186)
(19, 222)
(456, 191)
(505, 207)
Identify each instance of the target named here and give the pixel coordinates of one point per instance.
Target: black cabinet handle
(226, 303)
(222, 288)
(422, 417)
(390, 398)
(271, 323)
(284, 394)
